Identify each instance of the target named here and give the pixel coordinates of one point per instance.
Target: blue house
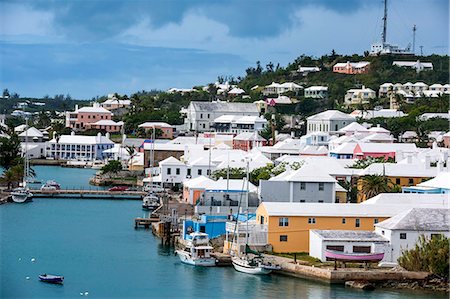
(438, 185)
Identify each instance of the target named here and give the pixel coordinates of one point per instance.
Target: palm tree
(132, 153)
(372, 185)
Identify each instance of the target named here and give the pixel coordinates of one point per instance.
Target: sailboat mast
(383, 35)
(25, 153)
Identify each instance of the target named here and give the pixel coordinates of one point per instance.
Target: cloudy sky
(94, 47)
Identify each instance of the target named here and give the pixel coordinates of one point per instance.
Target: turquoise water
(68, 178)
(93, 243)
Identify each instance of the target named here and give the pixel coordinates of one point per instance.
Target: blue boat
(51, 278)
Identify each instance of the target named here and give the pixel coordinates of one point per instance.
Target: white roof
(372, 147)
(197, 183)
(117, 102)
(93, 110)
(376, 137)
(236, 91)
(232, 185)
(154, 124)
(290, 85)
(81, 139)
(280, 100)
(20, 128)
(32, 132)
(331, 209)
(250, 136)
(344, 148)
(419, 220)
(171, 161)
(379, 129)
(318, 88)
(331, 115)
(352, 64)
(399, 170)
(108, 122)
(415, 199)
(306, 173)
(353, 127)
(238, 119)
(442, 180)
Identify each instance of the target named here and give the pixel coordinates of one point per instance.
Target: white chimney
(76, 107)
(72, 133)
(107, 135)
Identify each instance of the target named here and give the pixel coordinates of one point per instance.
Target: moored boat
(51, 278)
(197, 251)
(21, 195)
(151, 202)
(355, 257)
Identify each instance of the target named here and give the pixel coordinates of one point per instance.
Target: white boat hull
(242, 266)
(21, 196)
(186, 258)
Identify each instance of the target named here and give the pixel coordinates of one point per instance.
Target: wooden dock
(145, 222)
(93, 194)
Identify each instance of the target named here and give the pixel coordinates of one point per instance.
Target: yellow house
(288, 224)
(399, 174)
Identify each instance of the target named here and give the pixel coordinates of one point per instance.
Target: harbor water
(93, 243)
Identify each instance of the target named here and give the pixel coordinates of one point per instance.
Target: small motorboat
(21, 195)
(354, 257)
(151, 202)
(51, 278)
(197, 251)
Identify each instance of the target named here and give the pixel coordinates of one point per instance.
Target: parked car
(156, 188)
(118, 188)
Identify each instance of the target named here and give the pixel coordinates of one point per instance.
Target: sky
(94, 47)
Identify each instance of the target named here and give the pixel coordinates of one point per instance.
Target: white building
(79, 147)
(404, 229)
(417, 65)
(200, 115)
(329, 121)
(277, 88)
(316, 92)
(237, 124)
(359, 96)
(305, 70)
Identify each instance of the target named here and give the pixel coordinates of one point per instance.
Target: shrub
(429, 254)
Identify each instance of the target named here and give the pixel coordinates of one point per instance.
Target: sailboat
(151, 201)
(252, 262)
(23, 194)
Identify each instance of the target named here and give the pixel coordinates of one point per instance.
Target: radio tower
(414, 39)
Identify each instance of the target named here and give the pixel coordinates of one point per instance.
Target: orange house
(352, 68)
(288, 224)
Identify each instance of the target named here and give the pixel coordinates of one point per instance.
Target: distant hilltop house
(316, 92)
(352, 68)
(181, 90)
(328, 121)
(94, 117)
(113, 104)
(166, 129)
(277, 88)
(359, 96)
(200, 115)
(410, 91)
(305, 70)
(417, 65)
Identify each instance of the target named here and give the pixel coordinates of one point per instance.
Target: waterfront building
(403, 230)
(348, 241)
(437, 185)
(200, 115)
(358, 96)
(81, 118)
(352, 68)
(330, 121)
(242, 232)
(213, 225)
(78, 147)
(166, 129)
(316, 92)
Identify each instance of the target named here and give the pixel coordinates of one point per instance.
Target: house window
(201, 115)
(403, 236)
(177, 171)
(375, 221)
(311, 220)
(189, 171)
(169, 170)
(320, 201)
(397, 181)
(357, 222)
(208, 115)
(411, 181)
(302, 186)
(199, 172)
(382, 232)
(202, 229)
(361, 249)
(283, 221)
(261, 220)
(343, 220)
(321, 186)
(302, 200)
(283, 238)
(335, 248)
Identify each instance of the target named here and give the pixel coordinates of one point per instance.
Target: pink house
(386, 150)
(82, 119)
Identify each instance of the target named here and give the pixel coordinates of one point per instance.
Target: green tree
(9, 151)
(113, 166)
(372, 185)
(429, 254)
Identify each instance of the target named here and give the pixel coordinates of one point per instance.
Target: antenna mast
(383, 35)
(414, 39)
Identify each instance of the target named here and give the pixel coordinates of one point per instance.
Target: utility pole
(421, 50)
(414, 39)
(383, 35)
(273, 129)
